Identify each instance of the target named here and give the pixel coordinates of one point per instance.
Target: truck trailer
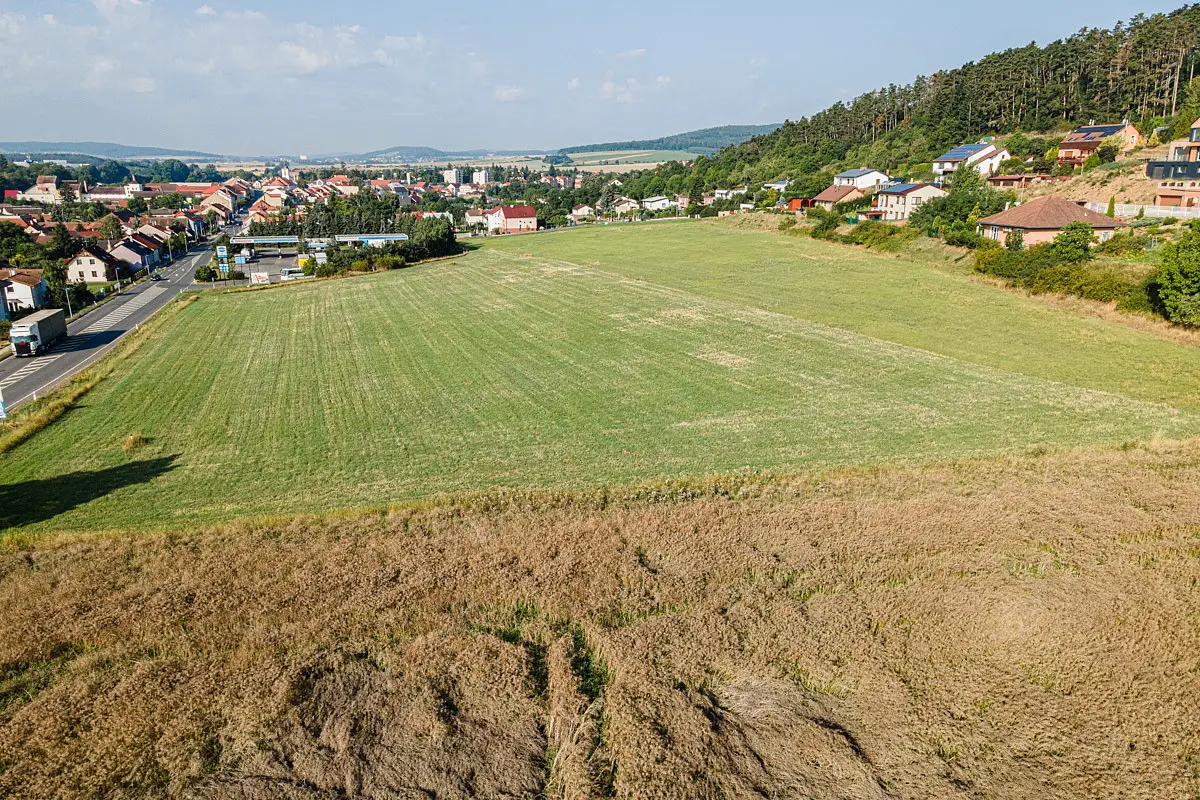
(38, 332)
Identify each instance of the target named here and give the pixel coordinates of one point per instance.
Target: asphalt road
(95, 333)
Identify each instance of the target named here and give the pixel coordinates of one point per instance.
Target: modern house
(474, 216)
(511, 219)
(583, 212)
(1043, 219)
(1022, 181)
(836, 194)
(862, 178)
(26, 290)
(92, 265)
(896, 203)
(658, 203)
(1182, 162)
(1082, 142)
(985, 157)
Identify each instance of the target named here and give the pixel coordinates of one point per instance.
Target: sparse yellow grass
(1011, 628)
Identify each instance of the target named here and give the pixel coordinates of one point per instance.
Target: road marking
(116, 317)
(29, 369)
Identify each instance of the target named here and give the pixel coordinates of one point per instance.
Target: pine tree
(1112, 206)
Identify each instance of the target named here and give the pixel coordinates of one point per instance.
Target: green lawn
(612, 355)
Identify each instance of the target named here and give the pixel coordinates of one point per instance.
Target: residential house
(836, 194)
(475, 216)
(1082, 142)
(580, 213)
(1043, 219)
(728, 194)
(512, 219)
(26, 289)
(627, 207)
(895, 203)
(683, 201)
(221, 198)
(92, 265)
(658, 203)
(134, 253)
(109, 194)
(779, 186)
(1181, 166)
(862, 178)
(985, 157)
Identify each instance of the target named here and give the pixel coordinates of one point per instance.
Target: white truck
(38, 332)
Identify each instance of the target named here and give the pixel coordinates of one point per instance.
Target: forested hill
(1137, 70)
(707, 140)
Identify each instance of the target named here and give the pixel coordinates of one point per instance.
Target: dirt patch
(1014, 628)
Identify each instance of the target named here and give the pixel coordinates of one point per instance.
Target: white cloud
(626, 92)
(50, 20)
(143, 85)
(206, 11)
(638, 53)
(248, 15)
(663, 81)
(107, 7)
(10, 23)
(507, 93)
(573, 84)
(300, 58)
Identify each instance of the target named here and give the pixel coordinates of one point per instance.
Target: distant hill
(419, 154)
(100, 150)
(704, 141)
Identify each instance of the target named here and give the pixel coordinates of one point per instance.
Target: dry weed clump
(1013, 628)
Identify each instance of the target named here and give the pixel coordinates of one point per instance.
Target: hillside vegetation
(1005, 629)
(1136, 70)
(578, 360)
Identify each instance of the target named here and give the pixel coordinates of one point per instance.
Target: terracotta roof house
(512, 219)
(92, 265)
(1042, 219)
(26, 288)
(1082, 142)
(836, 194)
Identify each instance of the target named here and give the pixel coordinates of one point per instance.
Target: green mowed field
(569, 360)
(883, 296)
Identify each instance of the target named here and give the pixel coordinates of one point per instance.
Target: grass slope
(1014, 629)
(887, 297)
(507, 370)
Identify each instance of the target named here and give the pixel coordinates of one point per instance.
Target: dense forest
(1137, 70)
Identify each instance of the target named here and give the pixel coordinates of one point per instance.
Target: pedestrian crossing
(117, 317)
(33, 366)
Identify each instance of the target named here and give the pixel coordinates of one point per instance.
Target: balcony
(1173, 170)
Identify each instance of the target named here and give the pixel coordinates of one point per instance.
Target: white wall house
(658, 203)
(862, 178)
(895, 203)
(985, 157)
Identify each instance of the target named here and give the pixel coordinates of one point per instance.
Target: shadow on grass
(35, 501)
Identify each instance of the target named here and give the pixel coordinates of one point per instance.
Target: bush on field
(875, 235)
(1123, 244)
(1042, 269)
(1179, 279)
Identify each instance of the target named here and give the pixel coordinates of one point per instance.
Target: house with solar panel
(1082, 142)
(985, 157)
(895, 203)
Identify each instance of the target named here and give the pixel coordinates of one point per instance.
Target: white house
(25, 289)
(862, 178)
(658, 203)
(728, 194)
(511, 219)
(779, 186)
(582, 212)
(474, 216)
(985, 157)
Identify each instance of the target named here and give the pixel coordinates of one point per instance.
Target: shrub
(204, 273)
(1122, 244)
(5, 328)
(1179, 279)
(787, 223)
(1075, 242)
(1143, 298)
(876, 235)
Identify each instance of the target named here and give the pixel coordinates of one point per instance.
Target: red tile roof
(1048, 213)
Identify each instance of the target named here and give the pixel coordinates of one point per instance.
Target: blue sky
(301, 76)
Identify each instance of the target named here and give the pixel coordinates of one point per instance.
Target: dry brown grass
(1017, 628)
